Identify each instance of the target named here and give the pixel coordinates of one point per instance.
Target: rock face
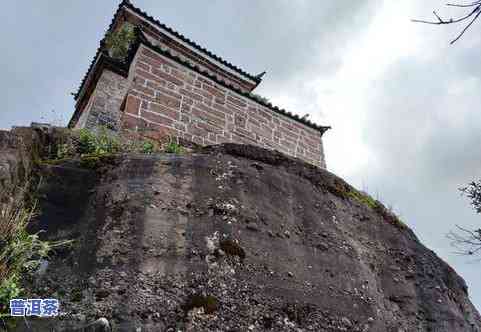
(235, 238)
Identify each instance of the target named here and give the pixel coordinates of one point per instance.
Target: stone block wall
(104, 104)
(167, 98)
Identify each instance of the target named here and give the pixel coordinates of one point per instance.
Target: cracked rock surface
(234, 238)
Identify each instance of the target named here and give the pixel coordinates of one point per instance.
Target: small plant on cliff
(363, 198)
(173, 147)
(118, 42)
(95, 148)
(86, 142)
(65, 150)
(19, 251)
(102, 142)
(147, 147)
(97, 143)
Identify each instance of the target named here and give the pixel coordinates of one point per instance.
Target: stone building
(166, 85)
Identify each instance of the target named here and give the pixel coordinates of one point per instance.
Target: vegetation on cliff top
(345, 191)
(94, 148)
(20, 251)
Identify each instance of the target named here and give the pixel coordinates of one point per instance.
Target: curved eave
(126, 4)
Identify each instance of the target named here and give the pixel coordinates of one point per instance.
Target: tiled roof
(154, 21)
(138, 11)
(99, 50)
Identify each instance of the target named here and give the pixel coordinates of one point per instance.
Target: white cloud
(403, 104)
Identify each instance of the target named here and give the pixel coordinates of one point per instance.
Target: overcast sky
(403, 103)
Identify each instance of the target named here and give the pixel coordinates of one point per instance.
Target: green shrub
(97, 143)
(387, 214)
(103, 142)
(86, 141)
(91, 146)
(118, 43)
(20, 251)
(9, 289)
(64, 151)
(173, 147)
(363, 198)
(147, 147)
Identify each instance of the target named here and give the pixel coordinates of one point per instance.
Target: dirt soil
(234, 238)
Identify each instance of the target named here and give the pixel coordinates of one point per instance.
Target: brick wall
(155, 37)
(167, 98)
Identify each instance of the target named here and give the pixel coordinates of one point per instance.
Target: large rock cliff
(234, 238)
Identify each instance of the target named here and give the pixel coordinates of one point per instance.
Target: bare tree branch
(467, 26)
(466, 241)
(474, 4)
(473, 14)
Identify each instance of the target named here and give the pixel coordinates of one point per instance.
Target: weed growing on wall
(97, 143)
(86, 142)
(173, 147)
(118, 42)
(91, 146)
(148, 147)
(20, 252)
